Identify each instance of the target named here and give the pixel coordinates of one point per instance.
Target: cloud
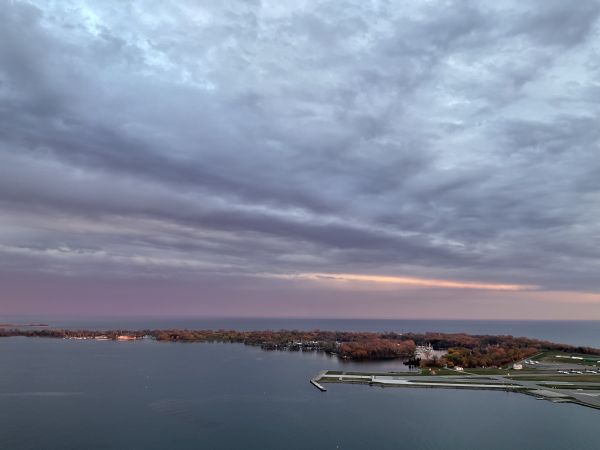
(435, 141)
(404, 281)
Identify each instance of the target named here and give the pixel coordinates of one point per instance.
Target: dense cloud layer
(184, 140)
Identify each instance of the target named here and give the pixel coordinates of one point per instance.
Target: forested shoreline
(462, 349)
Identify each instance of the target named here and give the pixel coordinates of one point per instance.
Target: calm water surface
(58, 394)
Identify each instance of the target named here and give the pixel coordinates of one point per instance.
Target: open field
(565, 378)
(567, 358)
(493, 371)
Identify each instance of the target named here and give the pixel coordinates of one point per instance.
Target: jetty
(315, 382)
(317, 385)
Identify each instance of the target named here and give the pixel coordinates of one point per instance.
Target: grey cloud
(558, 22)
(428, 140)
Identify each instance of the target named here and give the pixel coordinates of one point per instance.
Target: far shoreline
(429, 349)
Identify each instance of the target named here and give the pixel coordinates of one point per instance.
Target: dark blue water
(61, 394)
(586, 333)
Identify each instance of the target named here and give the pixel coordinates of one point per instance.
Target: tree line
(462, 349)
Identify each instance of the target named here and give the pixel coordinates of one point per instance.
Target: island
(547, 370)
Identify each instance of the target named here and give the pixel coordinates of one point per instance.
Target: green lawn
(440, 371)
(566, 378)
(553, 356)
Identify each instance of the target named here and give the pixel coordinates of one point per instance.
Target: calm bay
(62, 394)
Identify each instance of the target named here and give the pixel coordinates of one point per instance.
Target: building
(426, 352)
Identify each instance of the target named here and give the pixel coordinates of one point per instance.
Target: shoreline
(431, 349)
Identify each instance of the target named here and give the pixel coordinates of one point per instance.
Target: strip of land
(554, 376)
(433, 350)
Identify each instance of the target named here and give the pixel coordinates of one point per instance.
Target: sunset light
(409, 281)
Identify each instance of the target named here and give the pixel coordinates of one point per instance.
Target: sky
(360, 159)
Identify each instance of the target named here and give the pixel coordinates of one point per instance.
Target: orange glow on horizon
(408, 281)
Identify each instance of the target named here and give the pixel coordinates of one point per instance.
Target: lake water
(61, 394)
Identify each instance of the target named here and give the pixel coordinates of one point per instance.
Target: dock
(317, 385)
(315, 381)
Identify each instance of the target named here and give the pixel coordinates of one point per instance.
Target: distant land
(447, 349)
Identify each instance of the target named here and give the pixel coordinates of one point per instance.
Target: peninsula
(559, 377)
(449, 349)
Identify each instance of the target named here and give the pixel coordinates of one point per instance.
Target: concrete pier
(317, 385)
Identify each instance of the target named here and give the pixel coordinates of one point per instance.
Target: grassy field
(441, 371)
(423, 372)
(583, 387)
(566, 378)
(480, 371)
(472, 381)
(565, 358)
